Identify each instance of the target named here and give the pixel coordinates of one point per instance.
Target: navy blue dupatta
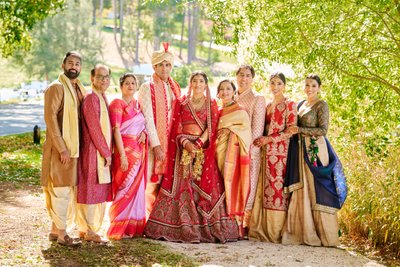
(329, 181)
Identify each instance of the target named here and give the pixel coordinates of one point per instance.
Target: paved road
(21, 118)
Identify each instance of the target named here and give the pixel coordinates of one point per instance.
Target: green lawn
(20, 159)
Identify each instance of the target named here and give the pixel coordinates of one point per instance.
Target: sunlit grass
(20, 159)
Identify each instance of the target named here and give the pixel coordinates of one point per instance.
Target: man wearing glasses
(94, 179)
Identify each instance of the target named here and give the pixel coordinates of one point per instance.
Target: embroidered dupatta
(162, 122)
(210, 187)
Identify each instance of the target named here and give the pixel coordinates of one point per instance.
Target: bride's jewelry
(197, 100)
(198, 103)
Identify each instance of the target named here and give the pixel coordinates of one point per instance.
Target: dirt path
(24, 221)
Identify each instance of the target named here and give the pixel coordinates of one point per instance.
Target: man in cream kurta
(157, 99)
(94, 179)
(256, 108)
(62, 100)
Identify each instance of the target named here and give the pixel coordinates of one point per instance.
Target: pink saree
(128, 210)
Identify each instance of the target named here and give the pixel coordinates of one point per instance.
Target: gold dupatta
(70, 123)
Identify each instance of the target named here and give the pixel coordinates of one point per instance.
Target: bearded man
(62, 100)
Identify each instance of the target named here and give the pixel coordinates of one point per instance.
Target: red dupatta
(210, 186)
(161, 121)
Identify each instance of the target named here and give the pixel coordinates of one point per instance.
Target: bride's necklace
(197, 100)
(198, 103)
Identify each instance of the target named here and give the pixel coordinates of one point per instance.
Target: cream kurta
(147, 110)
(52, 169)
(255, 105)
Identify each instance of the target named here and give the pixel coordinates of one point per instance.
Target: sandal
(96, 238)
(53, 237)
(68, 241)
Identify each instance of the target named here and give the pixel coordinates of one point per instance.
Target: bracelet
(184, 142)
(122, 157)
(199, 143)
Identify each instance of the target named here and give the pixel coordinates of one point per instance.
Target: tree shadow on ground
(127, 252)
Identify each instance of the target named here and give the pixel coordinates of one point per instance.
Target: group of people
(182, 168)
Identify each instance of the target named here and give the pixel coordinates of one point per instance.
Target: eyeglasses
(103, 78)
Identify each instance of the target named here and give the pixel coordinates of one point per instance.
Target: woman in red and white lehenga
(128, 210)
(271, 204)
(190, 206)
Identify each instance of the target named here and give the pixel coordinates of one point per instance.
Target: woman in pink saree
(128, 210)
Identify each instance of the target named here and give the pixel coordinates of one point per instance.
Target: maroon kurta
(89, 191)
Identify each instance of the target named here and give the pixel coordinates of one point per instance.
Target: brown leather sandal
(53, 237)
(68, 241)
(96, 238)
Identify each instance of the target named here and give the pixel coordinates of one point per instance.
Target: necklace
(229, 104)
(197, 100)
(311, 102)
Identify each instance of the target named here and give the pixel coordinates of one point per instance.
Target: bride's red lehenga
(189, 207)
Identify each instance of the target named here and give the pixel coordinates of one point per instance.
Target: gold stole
(103, 172)
(70, 123)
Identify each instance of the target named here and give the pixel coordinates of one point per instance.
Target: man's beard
(71, 75)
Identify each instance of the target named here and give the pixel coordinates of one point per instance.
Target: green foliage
(20, 159)
(354, 46)
(68, 30)
(181, 74)
(18, 17)
(372, 210)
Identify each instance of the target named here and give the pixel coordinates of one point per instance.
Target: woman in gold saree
(233, 145)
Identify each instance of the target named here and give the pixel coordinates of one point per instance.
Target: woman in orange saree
(233, 158)
(128, 212)
(190, 206)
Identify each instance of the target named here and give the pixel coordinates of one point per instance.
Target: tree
(18, 17)
(68, 30)
(353, 45)
(193, 29)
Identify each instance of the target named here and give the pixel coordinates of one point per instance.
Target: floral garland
(313, 150)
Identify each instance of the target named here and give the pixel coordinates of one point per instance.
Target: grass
(20, 166)
(20, 159)
(370, 218)
(133, 252)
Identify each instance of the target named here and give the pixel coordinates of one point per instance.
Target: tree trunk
(190, 40)
(193, 31)
(157, 16)
(94, 2)
(115, 22)
(182, 30)
(137, 34)
(101, 17)
(121, 23)
(209, 49)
